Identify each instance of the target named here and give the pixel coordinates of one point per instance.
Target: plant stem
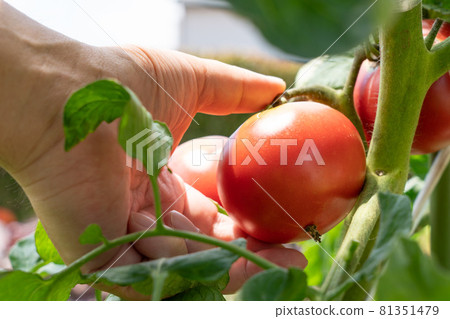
(405, 79)
(429, 40)
(250, 256)
(440, 220)
(434, 175)
(317, 93)
(98, 295)
(157, 200)
(257, 260)
(346, 97)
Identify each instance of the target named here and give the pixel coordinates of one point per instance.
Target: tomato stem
(429, 40)
(157, 200)
(250, 256)
(317, 93)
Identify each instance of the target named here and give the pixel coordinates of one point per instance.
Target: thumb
(226, 89)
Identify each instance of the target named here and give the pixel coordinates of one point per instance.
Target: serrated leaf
(88, 107)
(142, 138)
(308, 28)
(208, 267)
(276, 284)
(411, 275)
(199, 293)
(23, 255)
(45, 247)
(327, 70)
(24, 286)
(92, 235)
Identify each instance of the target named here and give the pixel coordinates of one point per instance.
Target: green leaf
(209, 267)
(437, 9)
(88, 107)
(23, 255)
(45, 247)
(199, 293)
(24, 286)
(276, 284)
(395, 222)
(327, 70)
(92, 235)
(308, 28)
(411, 275)
(419, 165)
(142, 138)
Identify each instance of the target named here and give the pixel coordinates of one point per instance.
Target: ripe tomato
(433, 130)
(196, 161)
(299, 164)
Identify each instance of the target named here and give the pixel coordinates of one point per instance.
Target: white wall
(211, 30)
(144, 22)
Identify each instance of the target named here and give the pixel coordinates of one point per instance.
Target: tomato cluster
(294, 172)
(433, 129)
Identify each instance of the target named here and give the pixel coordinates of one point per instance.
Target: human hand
(91, 183)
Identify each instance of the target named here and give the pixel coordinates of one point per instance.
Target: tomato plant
(305, 151)
(433, 130)
(299, 165)
(196, 161)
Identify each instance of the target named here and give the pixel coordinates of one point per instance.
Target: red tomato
(433, 130)
(195, 161)
(6, 215)
(293, 166)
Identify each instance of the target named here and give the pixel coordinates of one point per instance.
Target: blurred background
(206, 28)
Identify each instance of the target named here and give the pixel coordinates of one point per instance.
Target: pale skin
(40, 68)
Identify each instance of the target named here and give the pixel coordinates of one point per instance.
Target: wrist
(39, 68)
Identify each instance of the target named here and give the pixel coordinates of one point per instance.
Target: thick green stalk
(405, 78)
(440, 221)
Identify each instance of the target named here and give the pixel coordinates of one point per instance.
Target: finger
(283, 257)
(226, 89)
(242, 269)
(203, 213)
(155, 247)
(176, 220)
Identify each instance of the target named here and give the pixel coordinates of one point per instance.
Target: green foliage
(395, 222)
(87, 108)
(307, 28)
(436, 9)
(19, 285)
(327, 70)
(23, 255)
(92, 235)
(199, 293)
(411, 275)
(275, 284)
(106, 100)
(419, 165)
(318, 255)
(177, 274)
(45, 247)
